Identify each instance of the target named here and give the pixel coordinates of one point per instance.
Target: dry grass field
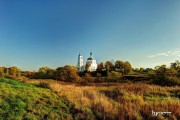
(118, 100)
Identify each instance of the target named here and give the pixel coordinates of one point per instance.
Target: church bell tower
(80, 65)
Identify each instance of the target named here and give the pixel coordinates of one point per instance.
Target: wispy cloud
(166, 54)
(152, 65)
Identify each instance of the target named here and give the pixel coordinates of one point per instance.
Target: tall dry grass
(120, 101)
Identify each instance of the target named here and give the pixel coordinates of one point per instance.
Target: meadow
(20, 101)
(109, 101)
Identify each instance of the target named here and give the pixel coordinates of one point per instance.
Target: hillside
(91, 101)
(22, 101)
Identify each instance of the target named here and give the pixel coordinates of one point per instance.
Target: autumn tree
(67, 73)
(100, 67)
(127, 67)
(88, 64)
(109, 66)
(119, 66)
(14, 71)
(123, 67)
(2, 74)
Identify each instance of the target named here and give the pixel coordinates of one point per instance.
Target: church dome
(91, 57)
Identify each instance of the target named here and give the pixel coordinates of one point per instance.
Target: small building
(91, 60)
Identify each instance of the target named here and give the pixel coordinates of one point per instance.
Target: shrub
(114, 74)
(165, 80)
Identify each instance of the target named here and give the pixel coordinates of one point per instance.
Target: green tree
(175, 65)
(161, 69)
(45, 73)
(165, 76)
(119, 65)
(170, 72)
(123, 67)
(141, 70)
(43, 69)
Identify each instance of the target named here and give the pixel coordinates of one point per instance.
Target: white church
(91, 60)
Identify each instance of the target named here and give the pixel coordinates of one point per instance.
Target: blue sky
(39, 33)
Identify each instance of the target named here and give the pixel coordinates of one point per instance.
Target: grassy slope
(23, 101)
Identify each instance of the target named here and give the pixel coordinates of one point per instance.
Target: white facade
(93, 64)
(80, 64)
(91, 60)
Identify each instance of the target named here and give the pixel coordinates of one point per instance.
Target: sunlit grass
(22, 101)
(119, 100)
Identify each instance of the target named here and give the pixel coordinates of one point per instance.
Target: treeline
(70, 73)
(165, 76)
(106, 72)
(119, 66)
(67, 73)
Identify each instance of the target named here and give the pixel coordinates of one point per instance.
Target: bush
(80, 80)
(114, 74)
(165, 80)
(170, 81)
